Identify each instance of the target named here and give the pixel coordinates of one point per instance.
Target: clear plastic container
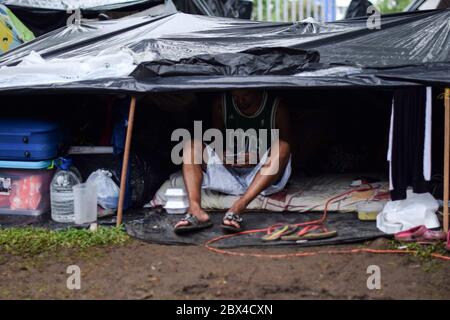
(25, 191)
(369, 211)
(85, 203)
(61, 195)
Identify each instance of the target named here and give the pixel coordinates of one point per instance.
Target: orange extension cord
(320, 221)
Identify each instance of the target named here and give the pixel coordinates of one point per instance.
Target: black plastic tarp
(158, 228)
(409, 49)
(44, 16)
(258, 61)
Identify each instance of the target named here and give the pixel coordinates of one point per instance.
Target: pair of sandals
(195, 225)
(294, 233)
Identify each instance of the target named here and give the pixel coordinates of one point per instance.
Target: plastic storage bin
(25, 187)
(368, 211)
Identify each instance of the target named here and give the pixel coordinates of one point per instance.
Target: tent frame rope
(126, 157)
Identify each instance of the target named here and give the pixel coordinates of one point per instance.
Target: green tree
(391, 6)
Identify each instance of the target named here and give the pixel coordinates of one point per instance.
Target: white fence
(294, 10)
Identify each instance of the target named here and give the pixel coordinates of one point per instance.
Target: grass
(33, 241)
(423, 251)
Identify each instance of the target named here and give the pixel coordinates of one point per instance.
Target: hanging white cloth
(427, 139)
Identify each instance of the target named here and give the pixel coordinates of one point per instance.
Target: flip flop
(279, 232)
(411, 235)
(194, 225)
(433, 236)
(320, 235)
(447, 245)
(313, 232)
(230, 216)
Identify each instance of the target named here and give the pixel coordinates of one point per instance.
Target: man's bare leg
(279, 156)
(193, 176)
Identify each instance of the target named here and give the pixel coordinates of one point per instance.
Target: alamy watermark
(374, 280)
(73, 282)
(234, 147)
(373, 18)
(74, 18)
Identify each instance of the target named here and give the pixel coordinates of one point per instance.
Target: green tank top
(264, 118)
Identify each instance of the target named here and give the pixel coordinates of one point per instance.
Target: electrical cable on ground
(320, 221)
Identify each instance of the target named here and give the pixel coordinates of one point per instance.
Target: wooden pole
(126, 157)
(446, 156)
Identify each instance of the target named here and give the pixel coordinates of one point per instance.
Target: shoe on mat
(313, 232)
(231, 216)
(193, 224)
(284, 230)
(447, 245)
(432, 236)
(412, 234)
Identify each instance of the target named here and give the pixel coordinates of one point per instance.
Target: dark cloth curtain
(408, 142)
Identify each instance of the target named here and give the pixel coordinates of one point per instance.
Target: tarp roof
(43, 16)
(220, 8)
(189, 52)
(76, 4)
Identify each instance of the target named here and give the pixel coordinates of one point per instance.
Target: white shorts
(236, 181)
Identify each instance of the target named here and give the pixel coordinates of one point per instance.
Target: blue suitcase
(29, 140)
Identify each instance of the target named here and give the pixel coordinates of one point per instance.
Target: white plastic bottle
(61, 195)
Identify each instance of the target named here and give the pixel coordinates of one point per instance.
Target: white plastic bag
(107, 189)
(415, 210)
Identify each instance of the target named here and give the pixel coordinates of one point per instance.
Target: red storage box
(25, 187)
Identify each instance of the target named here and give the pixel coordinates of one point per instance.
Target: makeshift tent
(182, 52)
(12, 31)
(409, 49)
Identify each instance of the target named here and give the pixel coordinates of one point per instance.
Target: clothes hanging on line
(409, 152)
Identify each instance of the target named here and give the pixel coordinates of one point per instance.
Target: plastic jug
(61, 194)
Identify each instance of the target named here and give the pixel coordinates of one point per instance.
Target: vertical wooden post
(446, 156)
(126, 157)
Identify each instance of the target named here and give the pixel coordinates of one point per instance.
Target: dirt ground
(140, 270)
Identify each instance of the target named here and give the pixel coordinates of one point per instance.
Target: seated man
(240, 109)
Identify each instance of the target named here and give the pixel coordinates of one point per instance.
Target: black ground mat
(45, 221)
(158, 228)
